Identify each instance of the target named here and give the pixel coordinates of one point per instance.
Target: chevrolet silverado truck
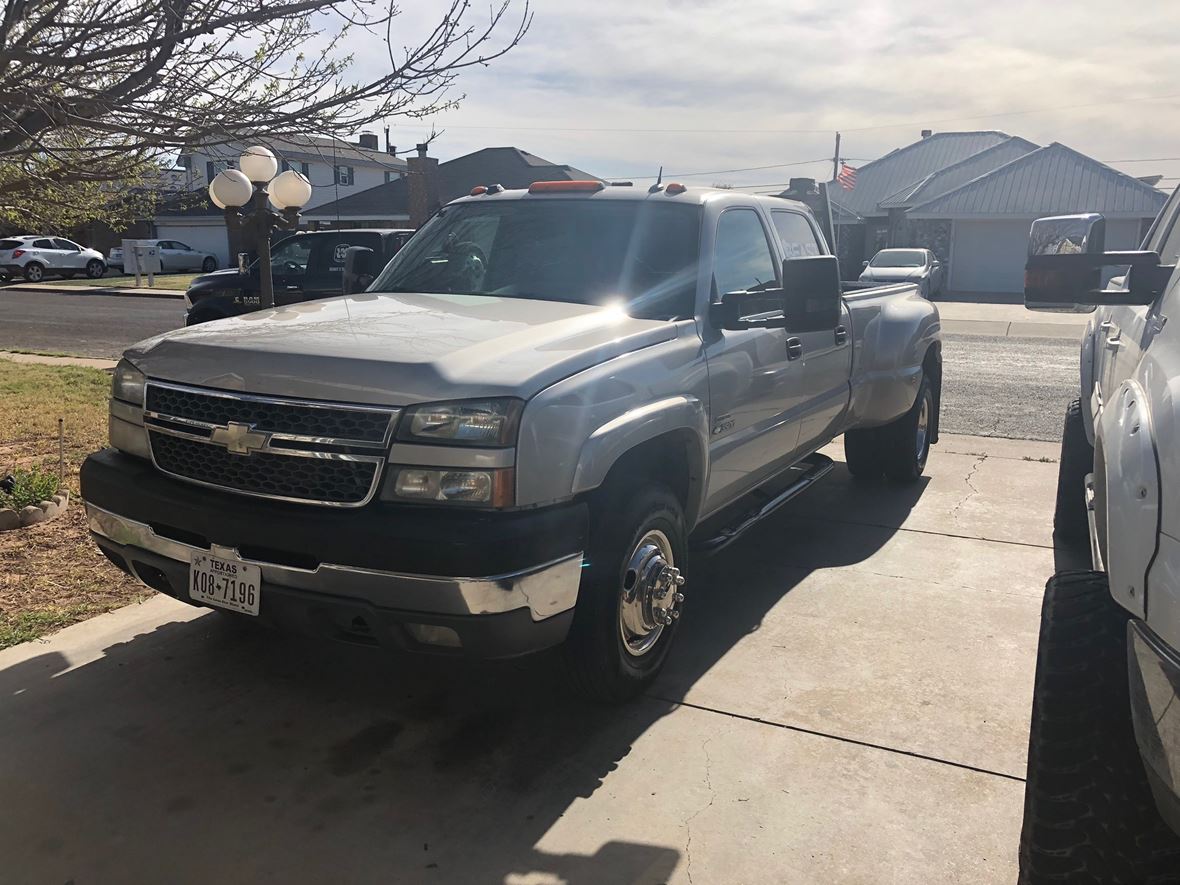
(1102, 797)
(512, 438)
(305, 267)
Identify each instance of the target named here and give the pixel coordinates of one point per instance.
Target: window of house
(305, 170)
(742, 257)
(344, 176)
(213, 167)
(796, 235)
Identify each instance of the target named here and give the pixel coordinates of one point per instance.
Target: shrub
(27, 487)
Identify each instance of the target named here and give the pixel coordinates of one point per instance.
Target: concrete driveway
(848, 703)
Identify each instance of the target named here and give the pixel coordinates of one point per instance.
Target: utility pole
(835, 175)
(836, 159)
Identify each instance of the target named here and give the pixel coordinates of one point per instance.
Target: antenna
(659, 178)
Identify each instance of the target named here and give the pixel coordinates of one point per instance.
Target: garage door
(988, 256)
(203, 238)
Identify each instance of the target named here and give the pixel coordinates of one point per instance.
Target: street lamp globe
(258, 163)
(290, 190)
(230, 189)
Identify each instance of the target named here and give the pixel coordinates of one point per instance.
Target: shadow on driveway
(209, 751)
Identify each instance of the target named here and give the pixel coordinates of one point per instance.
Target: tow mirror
(812, 293)
(360, 267)
(1066, 257)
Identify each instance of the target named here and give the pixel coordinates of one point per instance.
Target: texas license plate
(225, 583)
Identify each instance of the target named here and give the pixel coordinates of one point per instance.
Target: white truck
(1102, 801)
(511, 439)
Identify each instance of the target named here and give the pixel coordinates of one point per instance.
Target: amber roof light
(556, 187)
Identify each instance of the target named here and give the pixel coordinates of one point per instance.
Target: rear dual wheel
(898, 450)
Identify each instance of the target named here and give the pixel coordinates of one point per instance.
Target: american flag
(847, 176)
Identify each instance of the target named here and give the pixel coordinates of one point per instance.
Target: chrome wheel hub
(923, 427)
(650, 593)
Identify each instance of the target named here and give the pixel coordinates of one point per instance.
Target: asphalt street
(993, 386)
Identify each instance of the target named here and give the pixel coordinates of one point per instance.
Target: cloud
(799, 64)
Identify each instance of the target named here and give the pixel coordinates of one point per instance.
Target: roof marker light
(675, 187)
(552, 187)
(477, 190)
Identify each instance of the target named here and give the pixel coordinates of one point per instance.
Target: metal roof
(909, 165)
(507, 166)
(1053, 180)
(937, 183)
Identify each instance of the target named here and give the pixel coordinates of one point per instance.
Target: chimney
(926, 133)
(368, 141)
(423, 185)
(389, 149)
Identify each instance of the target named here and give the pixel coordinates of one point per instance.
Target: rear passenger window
(43, 244)
(742, 260)
(797, 237)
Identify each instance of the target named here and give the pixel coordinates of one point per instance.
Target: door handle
(1106, 326)
(841, 335)
(794, 348)
(1113, 342)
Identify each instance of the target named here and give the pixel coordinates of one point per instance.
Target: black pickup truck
(305, 266)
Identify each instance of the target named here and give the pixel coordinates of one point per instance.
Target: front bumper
(502, 584)
(1155, 710)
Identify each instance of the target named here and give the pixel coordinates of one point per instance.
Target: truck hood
(396, 349)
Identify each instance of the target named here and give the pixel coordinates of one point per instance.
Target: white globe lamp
(258, 163)
(290, 190)
(230, 188)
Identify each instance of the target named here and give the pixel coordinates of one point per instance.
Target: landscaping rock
(32, 515)
(51, 508)
(9, 519)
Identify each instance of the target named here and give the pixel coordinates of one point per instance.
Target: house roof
(910, 165)
(947, 179)
(314, 147)
(507, 166)
(1053, 180)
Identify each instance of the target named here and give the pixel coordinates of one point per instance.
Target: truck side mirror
(1066, 255)
(812, 293)
(360, 267)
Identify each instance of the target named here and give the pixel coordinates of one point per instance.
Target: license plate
(225, 583)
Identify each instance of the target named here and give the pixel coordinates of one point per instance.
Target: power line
(825, 131)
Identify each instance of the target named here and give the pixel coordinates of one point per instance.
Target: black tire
(209, 264)
(1089, 816)
(598, 663)
(862, 454)
(199, 314)
(34, 272)
(1071, 525)
(905, 444)
(95, 268)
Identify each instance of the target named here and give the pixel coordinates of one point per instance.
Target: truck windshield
(637, 252)
(899, 258)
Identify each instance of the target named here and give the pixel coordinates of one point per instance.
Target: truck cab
(304, 267)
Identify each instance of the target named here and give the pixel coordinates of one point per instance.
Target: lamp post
(244, 192)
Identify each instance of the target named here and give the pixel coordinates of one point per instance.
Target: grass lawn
(52, 575)
(163, 281)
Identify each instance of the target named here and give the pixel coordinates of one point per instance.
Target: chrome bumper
(545, 590)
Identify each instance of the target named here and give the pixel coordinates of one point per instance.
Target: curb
(38, 359)
(111, 291)
(51, 508)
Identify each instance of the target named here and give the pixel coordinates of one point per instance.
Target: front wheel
(95, 268)
(34, 272)
(630, 597)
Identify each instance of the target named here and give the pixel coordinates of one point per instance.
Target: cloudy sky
(620, 87)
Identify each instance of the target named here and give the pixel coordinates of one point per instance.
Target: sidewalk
(1009, 320)
(61, 289)
(45, 360)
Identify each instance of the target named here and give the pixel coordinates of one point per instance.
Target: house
(971, 198)
(411, 200)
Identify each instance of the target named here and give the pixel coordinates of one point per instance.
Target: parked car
(1102, 800)
(35, 257)
(919, 266)
(511, 439)
(175, 257)
(305, 266)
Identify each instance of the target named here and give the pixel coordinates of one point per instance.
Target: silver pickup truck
(512, 439)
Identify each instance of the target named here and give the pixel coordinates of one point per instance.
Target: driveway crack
(970, 485)
(703, 808)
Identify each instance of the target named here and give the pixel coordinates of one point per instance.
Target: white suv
(33, 257)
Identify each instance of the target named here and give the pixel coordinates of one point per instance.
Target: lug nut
(675, 614)
(678, 598)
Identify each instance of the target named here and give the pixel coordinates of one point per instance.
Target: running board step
(747, 513)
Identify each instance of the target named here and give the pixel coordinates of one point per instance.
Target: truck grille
(293, 450)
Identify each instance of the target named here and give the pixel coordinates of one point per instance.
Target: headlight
(489, 488)
(486, 422)
(127, 383)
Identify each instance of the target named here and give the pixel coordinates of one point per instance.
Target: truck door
(1126, 331)
(752, 384)
(325, 267)
(825, 365)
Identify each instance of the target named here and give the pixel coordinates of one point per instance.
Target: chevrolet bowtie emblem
(239, 439)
